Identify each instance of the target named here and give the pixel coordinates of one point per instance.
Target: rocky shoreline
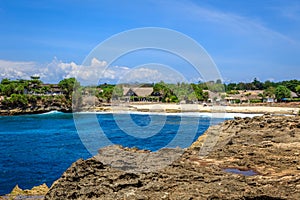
(18, 111)
(158, 108)
(36, 193)
(245, 158)
(268, 146)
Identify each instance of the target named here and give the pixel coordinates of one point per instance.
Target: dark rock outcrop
(43, 105)
(267, 145)
(36, 110)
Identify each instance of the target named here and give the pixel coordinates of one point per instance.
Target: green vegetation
(31, 93)
(270, 92)
(233, 92)
(25, 94)
(255, 101)
(282, 92)
(109, 92)
(257, 85)
(15, 101)
(179, 92)
(68, 85)
(167, 92)
(298, 90)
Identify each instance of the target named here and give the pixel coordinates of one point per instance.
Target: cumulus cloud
(17, 70)
(57, 70)
(96, 72)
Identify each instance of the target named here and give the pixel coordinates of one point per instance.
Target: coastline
(255, 145)
(160, 108)
(19, 111)
(194, 108)
(252, 159)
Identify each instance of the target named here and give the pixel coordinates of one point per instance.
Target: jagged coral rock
(268, 146)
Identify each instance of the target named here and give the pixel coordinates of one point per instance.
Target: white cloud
(17, 70)
(96, 72)
(56, 70)
(98, 63)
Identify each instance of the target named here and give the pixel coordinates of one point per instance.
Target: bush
(282, 92)
(237, 101)
(15, 101)
(233, 92)
(255, 101)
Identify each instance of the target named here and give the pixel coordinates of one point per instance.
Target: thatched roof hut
(137, 91)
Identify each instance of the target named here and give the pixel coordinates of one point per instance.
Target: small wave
(51, 112)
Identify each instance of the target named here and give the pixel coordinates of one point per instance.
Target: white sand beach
(178, 108)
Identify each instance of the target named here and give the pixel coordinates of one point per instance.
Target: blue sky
(246, 39)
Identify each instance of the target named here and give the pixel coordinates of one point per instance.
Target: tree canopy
(298, 90)
(282, 92)
(69, 85)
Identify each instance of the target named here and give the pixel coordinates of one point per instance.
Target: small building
(216, 97)
(233, 99)
(294, 95)
(269, 100)
(245, 96)
(54, 89)
(140, 93)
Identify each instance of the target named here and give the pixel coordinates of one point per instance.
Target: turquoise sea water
(36, 149)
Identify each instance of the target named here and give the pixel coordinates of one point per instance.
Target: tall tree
(69, 85)
(298, 90)
(282, 92)
(257, 85)
(270, 92)
(291, 84)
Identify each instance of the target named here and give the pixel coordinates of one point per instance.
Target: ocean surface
(37, 149)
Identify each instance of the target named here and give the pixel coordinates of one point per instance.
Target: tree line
(170, 92)
(29, 93)
(21, 93)
(279, 90)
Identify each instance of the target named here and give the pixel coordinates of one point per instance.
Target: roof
(294, 95)
(232, 98)
(214, 95)
(253, 92)
(245, 95)
(50, 85)
(139, 91)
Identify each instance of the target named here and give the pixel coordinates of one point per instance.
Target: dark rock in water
(196, 174)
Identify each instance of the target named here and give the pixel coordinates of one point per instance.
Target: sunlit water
(36, 149)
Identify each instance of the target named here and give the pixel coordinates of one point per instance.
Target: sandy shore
(177, 108)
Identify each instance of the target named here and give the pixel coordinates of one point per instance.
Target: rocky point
(244, 158)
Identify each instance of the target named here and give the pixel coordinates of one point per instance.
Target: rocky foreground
(250, 158)
(254, 158)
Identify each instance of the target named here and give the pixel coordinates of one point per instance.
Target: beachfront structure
(293, 95)
(215, 97)
(137, 93)
(54, 89)
(244, 96)
(44, 89)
